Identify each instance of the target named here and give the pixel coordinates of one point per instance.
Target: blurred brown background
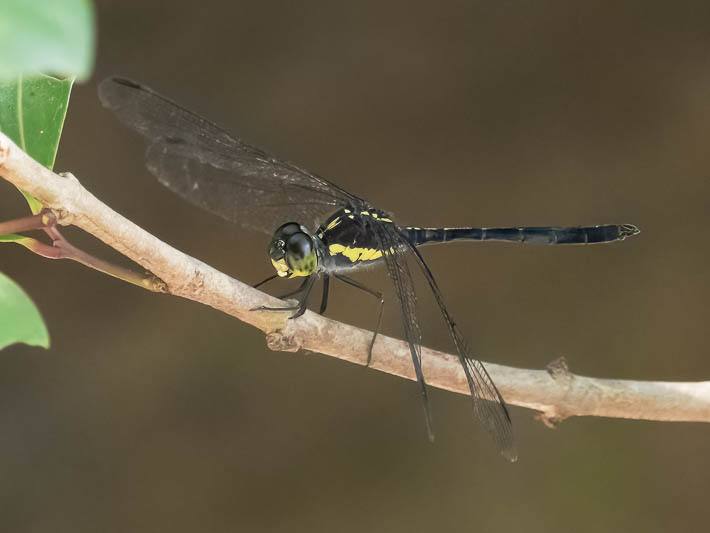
(152, 413)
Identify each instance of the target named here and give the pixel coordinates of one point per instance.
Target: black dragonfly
(327, 231)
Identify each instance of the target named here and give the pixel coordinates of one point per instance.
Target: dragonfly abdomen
(533, 235)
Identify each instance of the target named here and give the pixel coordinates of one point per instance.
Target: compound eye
(276, 249)
(288, 229)
(281, 235)
(299, 246)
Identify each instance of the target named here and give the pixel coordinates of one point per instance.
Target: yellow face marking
(374, 215)
(351, 217)
(365, 213)
(346, 211)
(300, 274)
(281, 267)
(283, 270)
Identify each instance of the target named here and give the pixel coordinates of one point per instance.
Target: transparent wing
(205, 165)
(396, 260)
(488, 404)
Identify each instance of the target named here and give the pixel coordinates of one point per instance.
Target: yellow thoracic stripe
(369, 254)
(356, 254)
(373, 215)
(333, 223)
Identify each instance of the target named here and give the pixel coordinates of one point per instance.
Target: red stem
(40, 221)
(63, 249)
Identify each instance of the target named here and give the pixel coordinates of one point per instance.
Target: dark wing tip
(109, 87)
(135, 105)
(122, 81)
(115, 92)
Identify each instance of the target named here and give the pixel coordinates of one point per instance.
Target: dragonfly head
(293, 252)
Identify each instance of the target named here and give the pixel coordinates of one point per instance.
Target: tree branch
(556, 393)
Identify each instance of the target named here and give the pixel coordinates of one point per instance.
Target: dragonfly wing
(401, 276)
(208, 167)
(488, 403)
(236, 191)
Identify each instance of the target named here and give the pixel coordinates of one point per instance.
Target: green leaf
(32, 112)
(20, 320)
(11, 237)
(54, 36)
(33, 245)
(28, 242)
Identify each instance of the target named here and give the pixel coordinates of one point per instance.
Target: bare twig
(556, 393)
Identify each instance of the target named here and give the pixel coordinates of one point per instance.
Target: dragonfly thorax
(293, 251)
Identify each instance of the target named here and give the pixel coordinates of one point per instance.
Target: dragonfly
(319, 230)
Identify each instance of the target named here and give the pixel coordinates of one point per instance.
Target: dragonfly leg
(300, 289)
(303, 303)
(265, 308)
(265, 281)
(377, 295)
(302, 306)
(282, 297)
(324, 299)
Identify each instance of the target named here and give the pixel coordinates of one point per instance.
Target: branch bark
(556, 393)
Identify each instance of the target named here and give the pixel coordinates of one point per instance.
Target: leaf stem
(67, 250)
(38, 221)
(61, 248)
